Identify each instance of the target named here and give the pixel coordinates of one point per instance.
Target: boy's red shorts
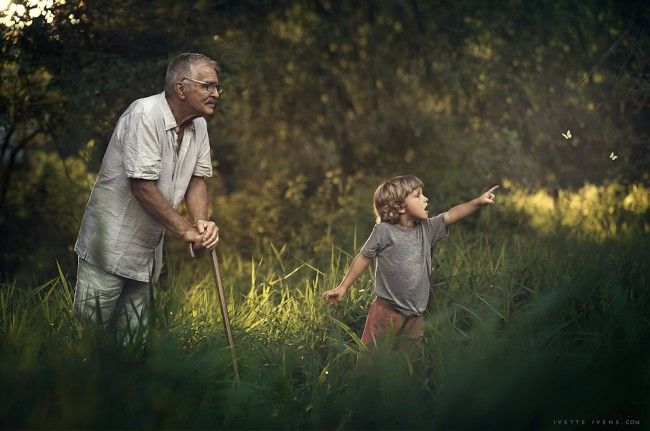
(383, 319)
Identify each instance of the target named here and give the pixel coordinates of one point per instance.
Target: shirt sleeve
(437, 228)
(203, 167)
(373, 244)
(142, 152)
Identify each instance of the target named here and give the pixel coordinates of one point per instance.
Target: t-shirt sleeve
(203, 167)
(437, 228)
(142, 152)
(373, 244)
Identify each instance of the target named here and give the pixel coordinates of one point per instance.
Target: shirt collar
(170, 121)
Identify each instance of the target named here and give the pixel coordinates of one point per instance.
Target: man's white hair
(183, 66)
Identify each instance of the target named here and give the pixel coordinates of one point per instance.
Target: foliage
(596, 211)
(48, 208)
(331, 97)
(323, 100)
(522, 330)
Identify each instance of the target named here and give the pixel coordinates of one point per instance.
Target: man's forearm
(196, 199)
(461, 211)
(154, 203)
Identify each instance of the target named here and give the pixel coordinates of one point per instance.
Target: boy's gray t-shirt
(404, 262)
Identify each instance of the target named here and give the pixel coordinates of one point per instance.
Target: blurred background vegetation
(323, 100)
(540, 304)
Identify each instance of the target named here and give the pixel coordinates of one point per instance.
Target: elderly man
(159, 154)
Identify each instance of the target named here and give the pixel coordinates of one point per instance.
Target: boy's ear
(401, 209)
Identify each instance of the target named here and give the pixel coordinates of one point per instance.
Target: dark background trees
(323, 100)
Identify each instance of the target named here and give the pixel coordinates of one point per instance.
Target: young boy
(401, 241)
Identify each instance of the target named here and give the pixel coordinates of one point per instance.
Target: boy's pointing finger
(493, 189)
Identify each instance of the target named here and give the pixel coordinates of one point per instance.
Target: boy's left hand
(487, 198)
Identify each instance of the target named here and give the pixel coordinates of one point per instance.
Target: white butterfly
(613, 156)
(567, 135)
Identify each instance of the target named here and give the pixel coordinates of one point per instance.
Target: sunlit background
(539, 303)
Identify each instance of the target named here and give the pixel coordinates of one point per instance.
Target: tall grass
(523, 329)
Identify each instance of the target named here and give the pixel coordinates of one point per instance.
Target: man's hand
(209, 233)
(335, 295)
(487, 198)
(192, 236)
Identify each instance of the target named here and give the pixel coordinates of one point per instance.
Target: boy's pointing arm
(461, 211)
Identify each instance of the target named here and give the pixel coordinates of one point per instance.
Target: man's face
(415, 204)
(199, 99)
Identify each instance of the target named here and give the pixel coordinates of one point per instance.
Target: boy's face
(415, 205)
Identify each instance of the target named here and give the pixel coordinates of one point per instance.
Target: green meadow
(539, 310)
(525, 327)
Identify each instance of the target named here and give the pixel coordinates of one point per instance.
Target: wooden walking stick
(224, 308)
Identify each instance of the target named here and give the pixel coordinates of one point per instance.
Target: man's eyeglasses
(210, 87)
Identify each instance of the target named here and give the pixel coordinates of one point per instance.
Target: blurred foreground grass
(524, 327)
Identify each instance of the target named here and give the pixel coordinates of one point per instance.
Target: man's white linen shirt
(117, 234)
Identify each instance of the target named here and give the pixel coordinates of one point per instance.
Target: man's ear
(180, 91)
(401, 208)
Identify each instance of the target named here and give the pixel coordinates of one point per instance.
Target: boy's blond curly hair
(390, 196)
